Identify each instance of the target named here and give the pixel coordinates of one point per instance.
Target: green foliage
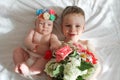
(85, 65)
(58, 72)
(79, 78)
(73, 54)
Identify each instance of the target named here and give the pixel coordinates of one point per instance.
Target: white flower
(71, 71)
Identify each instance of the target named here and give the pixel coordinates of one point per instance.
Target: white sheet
(102, 29)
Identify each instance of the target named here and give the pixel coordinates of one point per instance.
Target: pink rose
(62, 53)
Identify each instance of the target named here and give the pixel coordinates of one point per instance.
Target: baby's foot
(17, 69)
(24, 69)
(34, 72)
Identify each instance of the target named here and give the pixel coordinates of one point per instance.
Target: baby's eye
(41, 23)
(49, 24)
(68, 25)
(78, 26)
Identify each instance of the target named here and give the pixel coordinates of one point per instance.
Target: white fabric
(102, 29)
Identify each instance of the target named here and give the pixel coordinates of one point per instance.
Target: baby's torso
(43, 42)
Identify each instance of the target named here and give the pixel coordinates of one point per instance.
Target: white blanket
(102, 29)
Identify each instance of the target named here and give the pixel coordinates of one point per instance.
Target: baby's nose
(45, 25)
(73, 28)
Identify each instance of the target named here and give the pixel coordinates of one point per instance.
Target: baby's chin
(73, 40)
(45, 33)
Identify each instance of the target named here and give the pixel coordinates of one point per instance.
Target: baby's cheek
(65, 33)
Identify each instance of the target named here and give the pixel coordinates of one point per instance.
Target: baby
(73, 24)
(38, 45)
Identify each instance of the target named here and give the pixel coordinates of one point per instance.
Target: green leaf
(79, 78)
(85, 65)
(59, 70)
(73, 54)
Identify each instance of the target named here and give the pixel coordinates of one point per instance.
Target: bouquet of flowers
(71, 62)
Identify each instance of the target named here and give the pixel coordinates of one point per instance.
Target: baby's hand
(54, 42)
(55, 45)
(36, 48)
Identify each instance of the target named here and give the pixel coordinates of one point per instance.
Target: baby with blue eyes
(40, 41)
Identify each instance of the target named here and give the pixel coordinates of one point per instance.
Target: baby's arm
(98, 66)
(29, 40)
(54, 42)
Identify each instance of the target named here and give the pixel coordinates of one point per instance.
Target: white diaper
(33, 55)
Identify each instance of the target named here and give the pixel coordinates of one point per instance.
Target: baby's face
(73, 26)
(44, 26)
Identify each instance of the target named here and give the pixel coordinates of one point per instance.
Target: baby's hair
(72, 10)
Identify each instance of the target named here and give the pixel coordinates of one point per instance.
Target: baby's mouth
(45, 30)
(72, 34)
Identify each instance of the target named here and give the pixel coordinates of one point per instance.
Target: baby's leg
(19, 56)
(38, 66)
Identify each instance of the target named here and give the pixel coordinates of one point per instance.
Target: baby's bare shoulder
(53, 36)
(32, 29)
(88, 45)
(84, 42)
